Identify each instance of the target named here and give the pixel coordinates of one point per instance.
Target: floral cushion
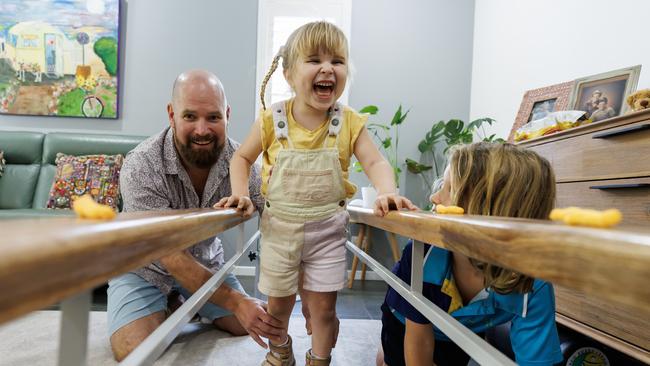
(2, 162)
(75, 176)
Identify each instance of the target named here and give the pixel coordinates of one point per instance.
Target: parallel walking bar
(613, 264)
(156, 343)
(481, 351)
(43, 261)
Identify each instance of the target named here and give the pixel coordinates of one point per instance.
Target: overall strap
(280, 123)
(336, 121)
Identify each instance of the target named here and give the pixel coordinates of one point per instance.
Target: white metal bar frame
(73, 344)
(480, 350)
(156, 343)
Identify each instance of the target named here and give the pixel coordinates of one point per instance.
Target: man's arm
(250, 312)
(140, 193)
(418, 344)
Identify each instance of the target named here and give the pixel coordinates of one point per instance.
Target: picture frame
(60, 58)
(536, 103)
(603, 95)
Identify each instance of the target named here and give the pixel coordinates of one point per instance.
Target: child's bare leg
(280, 308)
(322, 307)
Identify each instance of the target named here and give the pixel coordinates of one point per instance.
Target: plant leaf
(453, 128)
(357, 167)
(377, 125)
(370, 109)
(415, 167)
(403, 117)
(397, 116)
(423, 146)
(438, 128)
(386, 142)
(478, 122)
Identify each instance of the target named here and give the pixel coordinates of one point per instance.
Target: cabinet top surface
(629, 118)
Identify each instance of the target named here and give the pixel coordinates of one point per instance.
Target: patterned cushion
(75, 176)
(2, 162)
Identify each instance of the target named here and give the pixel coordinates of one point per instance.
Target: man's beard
(200, 158)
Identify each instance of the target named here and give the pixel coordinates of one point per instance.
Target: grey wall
(414, 52)
(417, 53)
(160, 39)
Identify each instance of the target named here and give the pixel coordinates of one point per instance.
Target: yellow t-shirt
(302, 138)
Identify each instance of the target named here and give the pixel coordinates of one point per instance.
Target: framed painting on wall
(59, 58)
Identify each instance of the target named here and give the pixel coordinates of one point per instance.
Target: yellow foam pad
(452, 210)
(86, 208)
(586, 217)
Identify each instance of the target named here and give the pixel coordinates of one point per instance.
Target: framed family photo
(603, 95)
(538, 103)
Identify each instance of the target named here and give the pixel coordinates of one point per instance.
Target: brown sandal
(309, 361)
(280, 355)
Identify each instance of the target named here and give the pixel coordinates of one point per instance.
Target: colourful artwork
(59, 57)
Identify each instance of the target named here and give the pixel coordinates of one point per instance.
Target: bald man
(184, 166)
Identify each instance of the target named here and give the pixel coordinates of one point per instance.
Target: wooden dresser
(604, 165)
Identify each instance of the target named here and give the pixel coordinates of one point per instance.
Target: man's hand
(239, 202)
(388, 201)
(252, 315)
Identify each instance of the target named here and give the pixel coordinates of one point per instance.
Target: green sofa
(29, 173)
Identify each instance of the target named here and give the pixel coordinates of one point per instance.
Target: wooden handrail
(613, 264)
(43, 261)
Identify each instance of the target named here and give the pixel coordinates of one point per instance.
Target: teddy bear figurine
(640, 100)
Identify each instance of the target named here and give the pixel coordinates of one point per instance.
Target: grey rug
(33, 340)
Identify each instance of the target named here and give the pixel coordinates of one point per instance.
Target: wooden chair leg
(393, 245)
(355, 260)
(366, 249)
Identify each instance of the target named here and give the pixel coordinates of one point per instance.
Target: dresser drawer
(617, 152)
(631, 196)
(614, 319)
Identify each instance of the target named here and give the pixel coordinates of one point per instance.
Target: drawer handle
(622, 186)
(621, 131)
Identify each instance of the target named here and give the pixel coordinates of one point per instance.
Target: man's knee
(127, 338)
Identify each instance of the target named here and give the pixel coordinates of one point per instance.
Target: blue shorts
(130, 297)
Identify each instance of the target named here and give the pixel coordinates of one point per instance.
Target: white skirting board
(249, 271)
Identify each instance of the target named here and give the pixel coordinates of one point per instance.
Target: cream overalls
(304, 222)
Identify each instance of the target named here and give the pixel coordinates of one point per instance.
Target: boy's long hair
(307, 40)
(495, 179)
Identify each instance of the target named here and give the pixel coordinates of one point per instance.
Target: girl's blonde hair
(501, 180)
(309, 39)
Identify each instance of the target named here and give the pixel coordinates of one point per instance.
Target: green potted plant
(447, 134)
(387, 138)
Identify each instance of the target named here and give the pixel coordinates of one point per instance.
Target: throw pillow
(75, 176)
(2, 162)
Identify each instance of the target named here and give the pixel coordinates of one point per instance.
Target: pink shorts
(316, 247)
